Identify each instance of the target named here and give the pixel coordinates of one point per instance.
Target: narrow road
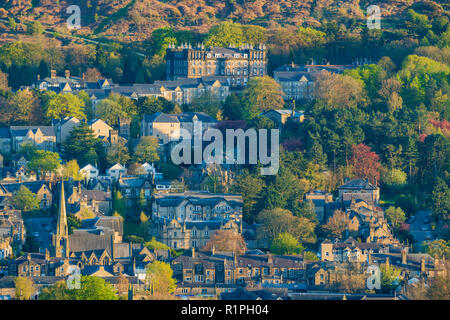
(418, 225)
(39, 225)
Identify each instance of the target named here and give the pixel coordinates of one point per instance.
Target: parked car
(426, 220)
(424, 228)
(47, 228)
(36, 234)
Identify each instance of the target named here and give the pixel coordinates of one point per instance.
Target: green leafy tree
(65, 105)
(118, 152)
(118, 203)
(115, 106)
(72, 170)
(284, 243)
(396, 216)
(94, 288)
(394, 177)
(261, 93)
(35, 28)
(150, 105)
(25, 200)
(208, 103)
(250, 186)
(275, 221)
(441, 199)
(390, 277)
(147, 150)
(73, 223)
(43, 162)
(24, 288)
(160, 277)
(225, 34)
(310, 256)
(439, 248)
(58, 291)
(83, 146)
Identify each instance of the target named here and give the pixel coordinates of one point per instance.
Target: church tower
(61, 237)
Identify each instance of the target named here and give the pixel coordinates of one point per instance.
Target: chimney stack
(387, 262)
(213, 250)
(422, 264)
(67, 74)
(404, 256)
(193, 252)
(53, 74)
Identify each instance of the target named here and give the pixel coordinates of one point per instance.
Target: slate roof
(33, 186)
(38, 258)
(97, 195)
(243, 294)
(358, 184)
(197, 198)
(21, 131)
(199, 225)
(131, 182)
(5, 133)
(291, 76)
(243, 261)
(104, 222)
(160, 117)
(89, 240)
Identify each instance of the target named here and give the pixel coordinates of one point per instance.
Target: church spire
(61, 227)
(61, 238)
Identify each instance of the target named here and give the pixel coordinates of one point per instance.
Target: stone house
(100, 128)
(132, 188)
(280, 117)
(63, 128)
(43, 137)
(116, 171)
(89, 172)
(40, 188)
(166, 127)
(359, 189)
(206, 268)
(38, 264)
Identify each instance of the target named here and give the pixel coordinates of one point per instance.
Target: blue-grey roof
(5, 133)
(21, 131)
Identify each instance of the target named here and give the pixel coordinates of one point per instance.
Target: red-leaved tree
(365, 163)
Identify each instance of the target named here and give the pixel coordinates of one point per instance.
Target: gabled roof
(358, 184)
(88, 167)
(22, 131)
(117, 166)
(94, 121)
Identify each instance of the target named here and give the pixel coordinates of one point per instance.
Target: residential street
(416, 227)
(39, 225)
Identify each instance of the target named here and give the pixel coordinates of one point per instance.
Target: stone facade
(237, 64)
